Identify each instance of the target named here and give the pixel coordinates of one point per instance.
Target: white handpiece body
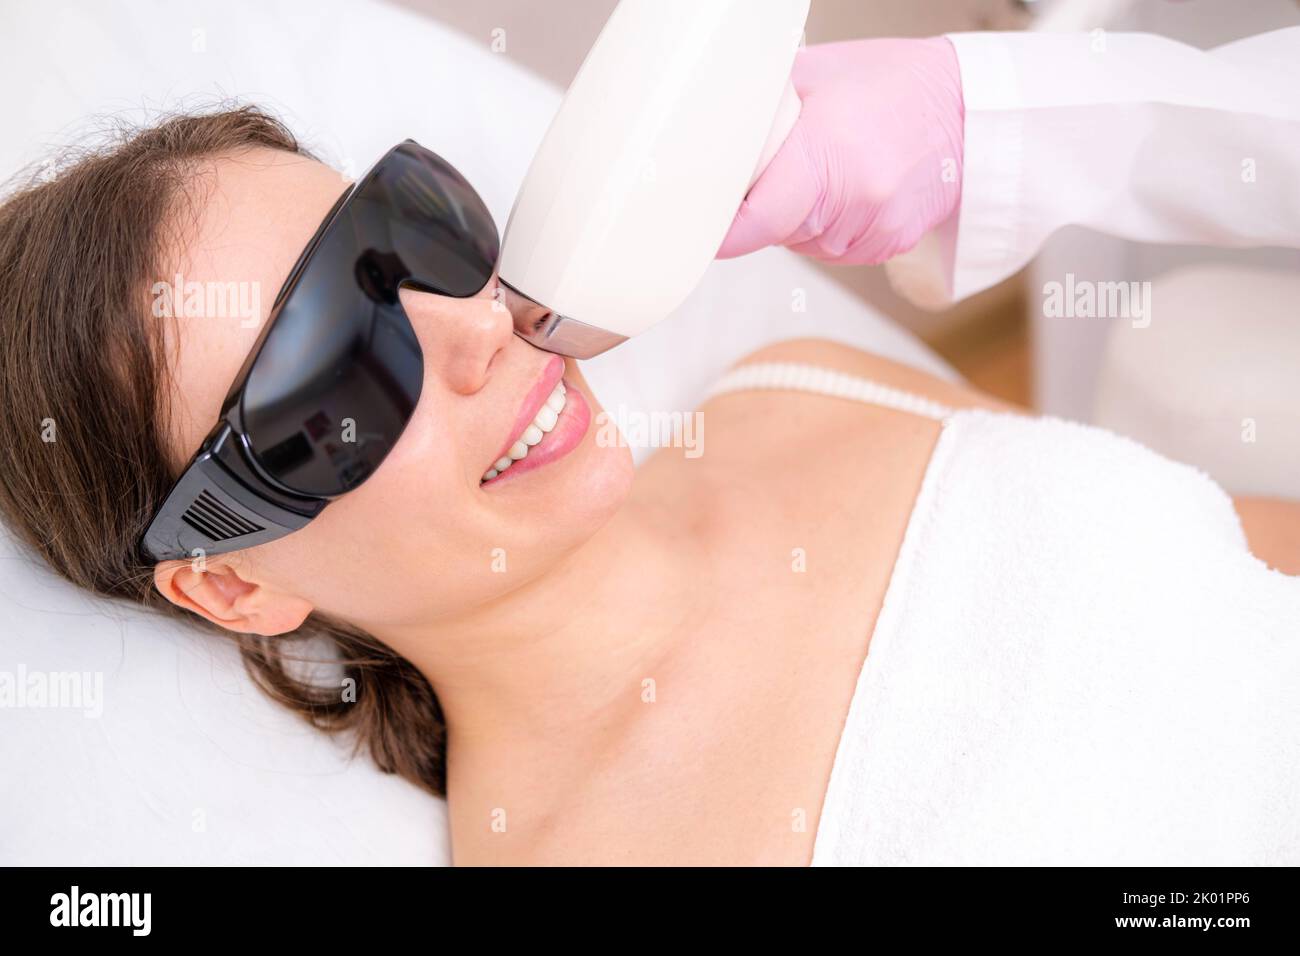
(676, 110)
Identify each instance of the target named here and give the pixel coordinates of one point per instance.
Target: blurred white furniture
(1214, 381)
(1182, 402)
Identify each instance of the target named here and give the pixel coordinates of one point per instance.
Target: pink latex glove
(874, 160)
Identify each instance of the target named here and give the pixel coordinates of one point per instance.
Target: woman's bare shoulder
(845, 358)
(1272, 526)
(778, 430)
(751, 426)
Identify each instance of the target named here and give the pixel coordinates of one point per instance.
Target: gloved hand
(874, 160)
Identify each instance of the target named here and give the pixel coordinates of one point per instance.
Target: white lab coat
(1131, 134)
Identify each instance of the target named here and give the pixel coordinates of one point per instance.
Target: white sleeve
(1127, 133)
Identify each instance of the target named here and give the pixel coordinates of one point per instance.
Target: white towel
(1077, 662)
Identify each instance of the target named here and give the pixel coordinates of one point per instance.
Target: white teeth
(547, 417)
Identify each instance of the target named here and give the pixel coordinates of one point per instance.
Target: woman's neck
(566, 654)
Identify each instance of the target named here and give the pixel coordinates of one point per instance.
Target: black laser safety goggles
(335, 375)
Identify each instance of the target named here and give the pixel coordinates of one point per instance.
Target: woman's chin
(598, 475)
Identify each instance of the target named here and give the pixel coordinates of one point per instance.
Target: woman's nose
(460, 337)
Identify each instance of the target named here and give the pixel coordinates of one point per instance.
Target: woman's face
(424, 538)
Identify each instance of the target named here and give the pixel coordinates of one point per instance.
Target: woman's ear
(219, 594)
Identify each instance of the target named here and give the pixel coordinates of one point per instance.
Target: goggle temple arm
(220, 505)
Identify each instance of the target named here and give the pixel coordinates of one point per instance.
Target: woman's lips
(562, 438)
(558, 442)
(552, 372)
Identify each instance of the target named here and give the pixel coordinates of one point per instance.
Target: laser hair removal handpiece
(675, 112)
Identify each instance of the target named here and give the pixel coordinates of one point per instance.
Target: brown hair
(82, 363)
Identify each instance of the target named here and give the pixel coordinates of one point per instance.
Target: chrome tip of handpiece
(552, 332)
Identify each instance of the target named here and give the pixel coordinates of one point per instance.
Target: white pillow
(187, 762)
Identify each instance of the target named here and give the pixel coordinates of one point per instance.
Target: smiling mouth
(534, 433)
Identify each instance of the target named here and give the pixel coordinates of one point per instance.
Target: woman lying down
(881, 620)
